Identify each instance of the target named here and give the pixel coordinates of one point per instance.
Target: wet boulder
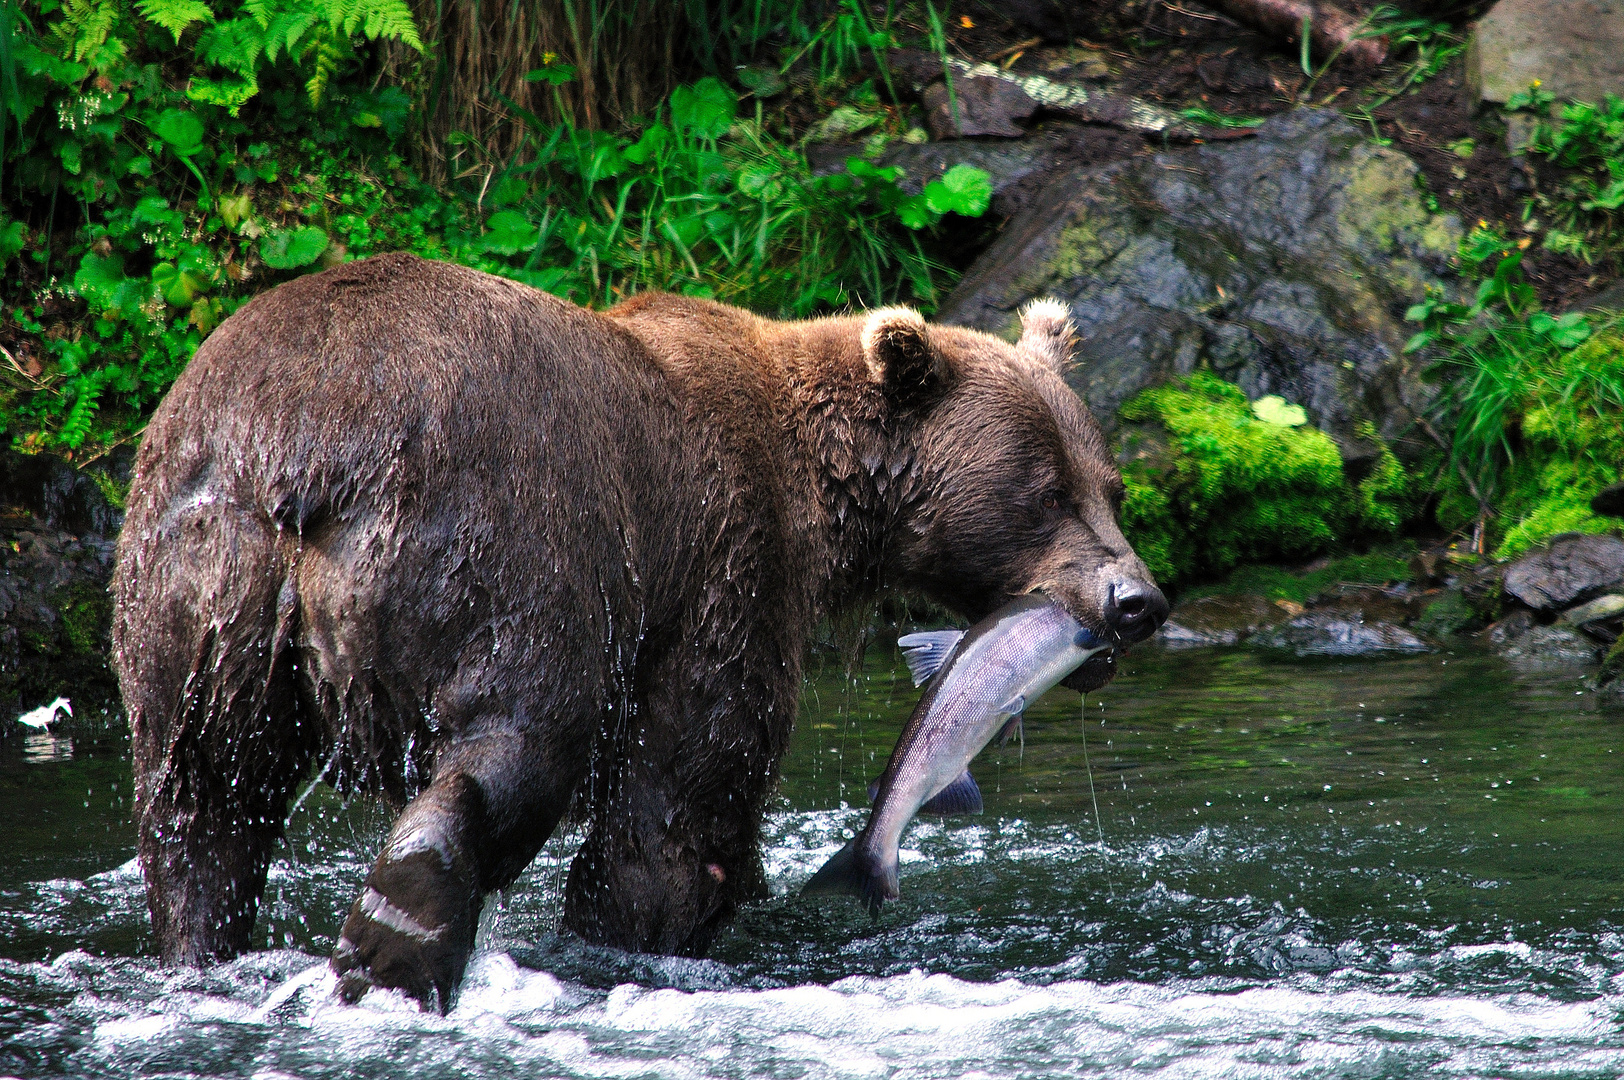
(1219, 620)
(1284, 263)
(1340, 632)
(1570, 570)
(1545, 648)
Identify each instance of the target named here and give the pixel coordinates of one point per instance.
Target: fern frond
(176, 16)
(85, 26)
(235, 45)
(327, 51)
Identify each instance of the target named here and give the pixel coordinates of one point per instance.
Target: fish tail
(852, 872)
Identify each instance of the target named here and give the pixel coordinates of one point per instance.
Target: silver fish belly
(978, 680)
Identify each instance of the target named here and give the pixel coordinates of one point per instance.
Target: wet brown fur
(481, 549)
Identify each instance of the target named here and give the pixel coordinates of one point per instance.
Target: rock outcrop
(1284, 262)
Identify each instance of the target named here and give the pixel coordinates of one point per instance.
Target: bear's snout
(1134, 610)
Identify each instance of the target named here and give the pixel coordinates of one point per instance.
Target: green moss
(1225, 487)
(1383, 496)
(86, 613)
(1447, 615)
(1612, 665)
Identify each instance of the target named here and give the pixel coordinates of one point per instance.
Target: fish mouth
(1094, 672)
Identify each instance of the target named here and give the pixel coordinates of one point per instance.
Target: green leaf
(915, 212)
(706, 109)
(103, 285)
(12, 236)
(292, 248)
(181, 129)
(508, 233)
(175, 15)
(1273, 409)
(649, 146)
(963, 189)
(179, 287)
(553, 74)
(235, 209)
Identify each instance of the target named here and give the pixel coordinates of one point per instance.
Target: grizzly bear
(500, 558)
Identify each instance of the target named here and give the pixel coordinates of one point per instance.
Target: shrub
(175, 157)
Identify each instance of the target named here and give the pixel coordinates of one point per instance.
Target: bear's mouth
(1094, 672)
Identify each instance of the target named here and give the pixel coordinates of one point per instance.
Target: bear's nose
(1134, 609)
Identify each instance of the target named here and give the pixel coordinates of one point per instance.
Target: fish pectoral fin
(1015, 724)
(927, 650)
(874, 789)
(1014, 707)
(960, 797)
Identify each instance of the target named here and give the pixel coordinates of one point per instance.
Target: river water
(1357, 869)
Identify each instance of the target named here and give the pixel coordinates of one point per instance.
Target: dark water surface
(1376, 869)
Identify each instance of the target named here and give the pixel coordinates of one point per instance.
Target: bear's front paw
(417, 942)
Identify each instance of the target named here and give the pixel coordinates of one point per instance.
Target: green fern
(176, 16)
(86, 26)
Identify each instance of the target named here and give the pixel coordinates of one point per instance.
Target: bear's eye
(1051, 501)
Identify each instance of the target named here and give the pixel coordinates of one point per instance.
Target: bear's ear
(1048, 333)
(898, 353)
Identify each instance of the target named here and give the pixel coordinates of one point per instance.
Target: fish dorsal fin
(960, 797)
(927, 650)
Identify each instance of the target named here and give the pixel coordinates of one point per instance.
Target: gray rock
(1547, 647)
(1510, 628)
(977, 106)
(1575, 48)
(1571, 569)
(1218, 620)
(1602, 609)
(1284, 262)
(1337, 632)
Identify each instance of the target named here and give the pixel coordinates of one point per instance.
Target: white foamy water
(241, 1020)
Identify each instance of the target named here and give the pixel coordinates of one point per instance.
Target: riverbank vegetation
(163, 161)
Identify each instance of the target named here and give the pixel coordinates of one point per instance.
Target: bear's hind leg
(494, 801)
(202, 641)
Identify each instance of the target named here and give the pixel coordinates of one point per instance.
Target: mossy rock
(1449, 614)
(1211, 484)
(1282, 262)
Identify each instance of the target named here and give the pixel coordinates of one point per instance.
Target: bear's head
(1016, 489)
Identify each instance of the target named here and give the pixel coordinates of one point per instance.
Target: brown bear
(492, 555)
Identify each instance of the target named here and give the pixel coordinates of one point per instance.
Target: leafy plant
(700, 200)
(1586, 142)
(1528, 401)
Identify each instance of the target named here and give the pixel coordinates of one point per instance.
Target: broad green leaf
(103, 285)
(649, 146)
(706, 109)
(235, 209)
(181, 129)
(1274, 409)
(552, 74)
(179, 287)
(916, 213)
(12, 236)
(292, 248)
(963, 189)
(508, 233)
